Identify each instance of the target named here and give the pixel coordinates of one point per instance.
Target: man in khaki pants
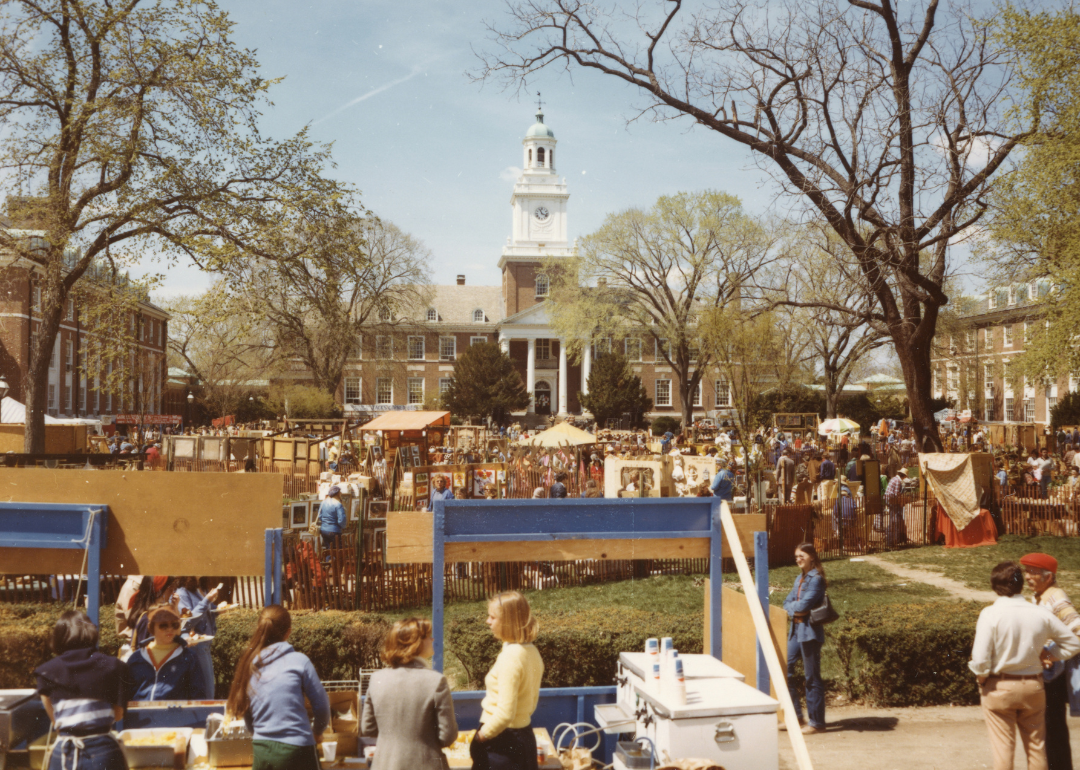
(1009, 637)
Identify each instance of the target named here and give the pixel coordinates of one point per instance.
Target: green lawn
(852, 586)
(972, 565)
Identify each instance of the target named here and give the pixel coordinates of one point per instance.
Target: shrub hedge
(338, 643)
(579, 648)
(909, 654)
(900, 655)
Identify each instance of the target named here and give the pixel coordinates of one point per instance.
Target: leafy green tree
(1034, 222)
(303, 402)
(486, 385)
(134, 127)
(614, 390)
(1066, 411)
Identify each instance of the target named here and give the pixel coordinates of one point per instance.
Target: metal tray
(229, 752)
(162, 755)
(613, 718)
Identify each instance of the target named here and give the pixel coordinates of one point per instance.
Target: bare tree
(133, 125)
(359, 274)
(886, 122)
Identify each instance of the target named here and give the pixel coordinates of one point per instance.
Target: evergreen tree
(615, 390)
(485, 384)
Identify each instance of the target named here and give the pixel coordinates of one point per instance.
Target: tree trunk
(831, 398)
(915, 363)
(37, 377)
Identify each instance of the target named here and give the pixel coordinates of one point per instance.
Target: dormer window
(1012, 295)
(384, 314)
(992, 303)
(478, 316)
(432, 314)
(542, 286)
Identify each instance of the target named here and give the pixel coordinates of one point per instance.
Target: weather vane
(539, 104)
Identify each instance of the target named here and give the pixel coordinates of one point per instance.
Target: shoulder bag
(313, 527)
(824, 613)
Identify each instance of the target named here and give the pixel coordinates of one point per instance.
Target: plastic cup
(652, 645)
(329, 751)
(369, 753)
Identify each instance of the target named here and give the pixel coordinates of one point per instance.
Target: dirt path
(933, 738)
(954, 587)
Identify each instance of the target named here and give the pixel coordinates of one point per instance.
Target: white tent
(14, 413)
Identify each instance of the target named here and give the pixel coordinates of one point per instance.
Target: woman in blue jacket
(164, 668)
(268, 691)
(201, 619)
(805, 638)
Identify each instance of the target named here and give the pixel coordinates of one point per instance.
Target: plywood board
(162, 523)
(409, 541)
(740, 639)
(656, 472)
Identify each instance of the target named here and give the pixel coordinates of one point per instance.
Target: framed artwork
(377, 510)
(421, 478)
(421, 491)
(356, 507)
(286, 517)
(459, 479)
(481, 478)
(300, 513)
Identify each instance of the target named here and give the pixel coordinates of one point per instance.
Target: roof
(559, 435)
(176, 371)
(538, 130)
(455, 304)
(408, 421)
(880, 379)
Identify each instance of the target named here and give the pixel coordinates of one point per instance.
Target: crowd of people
(407, 707)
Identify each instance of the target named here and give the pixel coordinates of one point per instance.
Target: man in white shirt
(1005, 658)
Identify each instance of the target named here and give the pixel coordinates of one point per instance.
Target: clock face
(541, 213)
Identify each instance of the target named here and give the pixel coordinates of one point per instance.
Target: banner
(147, 419)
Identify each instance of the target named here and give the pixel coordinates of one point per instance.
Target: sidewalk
(932, 738)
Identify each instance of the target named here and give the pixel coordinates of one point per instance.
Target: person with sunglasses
(164, 668)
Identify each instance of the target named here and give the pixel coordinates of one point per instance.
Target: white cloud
(976, 152)
(510, 174)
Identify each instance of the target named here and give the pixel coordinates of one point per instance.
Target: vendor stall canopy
(409, 421)
(563, 434)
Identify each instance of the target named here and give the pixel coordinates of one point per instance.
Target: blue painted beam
(761, 577)
(601, 518)
(716, 580)
(549, 536)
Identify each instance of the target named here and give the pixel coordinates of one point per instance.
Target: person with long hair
(272, 680)
(154, 591)
(505, 740)
(408, 706)
(199, 614)
(805, 637)
(83, 694)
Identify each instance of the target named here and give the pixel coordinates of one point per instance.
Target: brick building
(975, 366)
(414, 360)
(73, 390)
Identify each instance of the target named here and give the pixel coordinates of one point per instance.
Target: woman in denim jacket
(805, 638)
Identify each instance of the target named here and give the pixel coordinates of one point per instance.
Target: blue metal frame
(761, 577)
(81, 527)
(488, 521)
(275, 565)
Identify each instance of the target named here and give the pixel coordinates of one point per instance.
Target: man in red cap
(1040, 574)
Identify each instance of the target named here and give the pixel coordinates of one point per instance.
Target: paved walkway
(932, 738)
(954, 587)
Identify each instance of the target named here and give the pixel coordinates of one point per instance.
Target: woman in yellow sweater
(505, 740)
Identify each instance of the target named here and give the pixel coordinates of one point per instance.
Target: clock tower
(539, 229)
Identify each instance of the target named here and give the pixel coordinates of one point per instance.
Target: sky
(386, 82)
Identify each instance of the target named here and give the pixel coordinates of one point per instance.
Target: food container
(154, 746)
(229, 752)
(633, 755)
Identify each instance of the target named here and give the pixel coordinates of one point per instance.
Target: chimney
(461, 280)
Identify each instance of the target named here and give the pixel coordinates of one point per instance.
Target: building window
(632, 347)
(542, 286)
(1027, 333)
(1072, 383)
(602, 345)
(954, 379)
(723, 392)
(1006, 374)
(52, 396)
(663, 392)
(1009, 416)
(384, 391)
(416, 348)
(70, 314)
(97, 394)
(991, 299)
(1029, 410)
(432, 314)
(1012, 295)
(543, 350)
(937, 382)
(663, 348)
(384, 347)
(416, 390)
(969, 340)
(35, 302)
(477, 341)
(478, 316)
(358, 351)
(988, 337)
(447, 348)
(697, 393)
(988, 414)
(1051, 402)
(444, 384)
(69, 355)
(352, 390)
(988, 376)
(540, 156)
(1008, 336)
(385, 315)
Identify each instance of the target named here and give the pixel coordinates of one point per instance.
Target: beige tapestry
(955, 484)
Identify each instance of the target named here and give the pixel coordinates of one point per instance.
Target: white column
(586, 368)
(530, 374)
(504, 344)
(563, 401)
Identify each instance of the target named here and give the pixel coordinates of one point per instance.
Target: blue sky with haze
(432, 151)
